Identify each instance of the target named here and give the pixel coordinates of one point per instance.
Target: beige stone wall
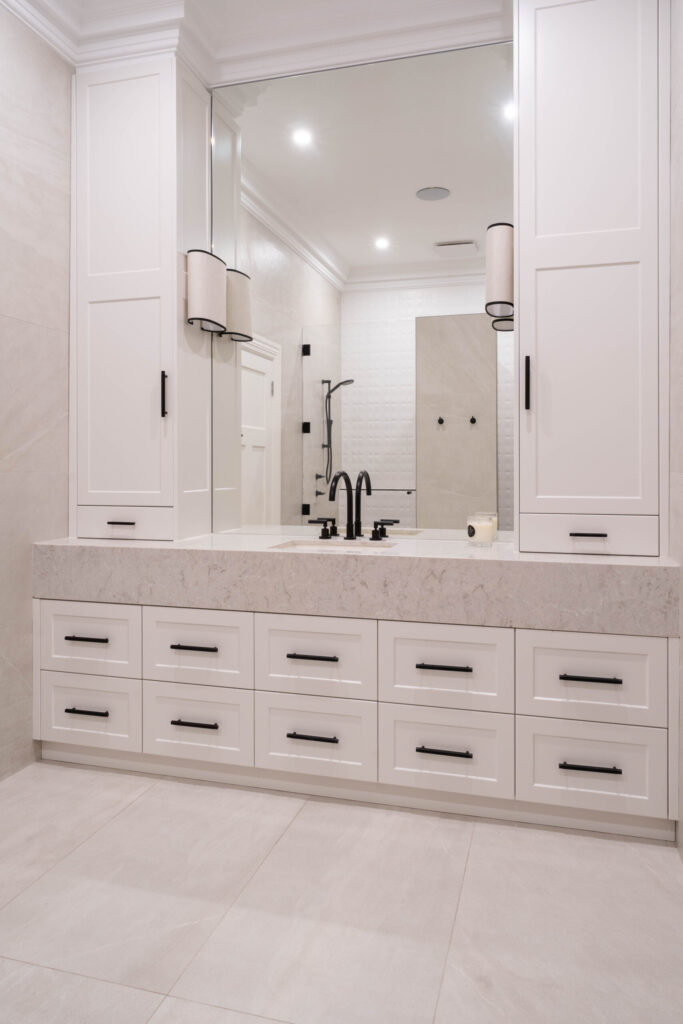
(35, 105)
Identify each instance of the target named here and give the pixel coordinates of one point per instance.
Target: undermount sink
(335, 546)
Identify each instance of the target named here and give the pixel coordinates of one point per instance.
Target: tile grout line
(214, 1006)
(73, 849)
(85, 977)
(234, 901)
(455, 918)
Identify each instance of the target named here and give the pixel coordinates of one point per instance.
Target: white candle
(480, 529)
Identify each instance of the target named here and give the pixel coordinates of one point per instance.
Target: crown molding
(54, 30)
(406, 281)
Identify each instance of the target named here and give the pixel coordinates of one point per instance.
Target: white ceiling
(382, 131)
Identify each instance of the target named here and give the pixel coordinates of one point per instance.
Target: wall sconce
(503, 323)
(238, 301)
(206, 301)
(500, 302)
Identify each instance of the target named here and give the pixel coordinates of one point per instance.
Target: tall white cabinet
(589, 294)
(142, 388)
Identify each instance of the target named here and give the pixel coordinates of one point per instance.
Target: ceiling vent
(458, 249)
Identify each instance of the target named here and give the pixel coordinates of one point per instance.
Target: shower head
(341, 384)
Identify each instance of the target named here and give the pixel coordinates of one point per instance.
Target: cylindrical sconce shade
(206, 290)
(238, 291)
(503, 323)
(499, 270)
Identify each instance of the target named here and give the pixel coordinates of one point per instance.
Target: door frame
(271, 350)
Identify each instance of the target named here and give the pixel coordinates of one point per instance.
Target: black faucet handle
(383, 523)
(325, 534)
(377, 530)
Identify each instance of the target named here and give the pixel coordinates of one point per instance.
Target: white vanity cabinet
(589, 292)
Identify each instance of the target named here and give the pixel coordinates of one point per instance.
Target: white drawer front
(611, 535)
(460, 751)
(198, 723)
(225, 640)
(469, 667)
(101, 639)
(637, 752)
(316, 735)
(593, 677)
(318, 656)
(125, 522)
(91, 711)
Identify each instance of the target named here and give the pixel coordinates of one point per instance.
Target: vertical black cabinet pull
(91, 714)
(444, 753)
(589, 768)
(88, 639)
(164, 377)
(527, 382)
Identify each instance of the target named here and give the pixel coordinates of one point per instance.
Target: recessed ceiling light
(302, 137)
(381, 243)
(432, 193)
(509, 111)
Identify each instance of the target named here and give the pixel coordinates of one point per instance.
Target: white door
(588, 256)
(260, 387)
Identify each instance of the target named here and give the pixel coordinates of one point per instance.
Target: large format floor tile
(135, 901)
(565, 928)
(35, 995)
(180, 1011)
(347, 922)
(47, 810)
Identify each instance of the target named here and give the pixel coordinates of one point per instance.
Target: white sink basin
(335, 546)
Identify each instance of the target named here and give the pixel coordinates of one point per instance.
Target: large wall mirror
(358, 201)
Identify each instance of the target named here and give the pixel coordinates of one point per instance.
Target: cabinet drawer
(125, 522)
(615, 535)
(592, 676)
(318, 656)
(197, 722)
(195, 646)
(558, 762)
(470, 667)
(101, 639)
(316, 735)
(91, 711)
(460, 751)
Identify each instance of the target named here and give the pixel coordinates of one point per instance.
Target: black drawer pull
(313, 739)
(193, 647)
(91, 714)
(444, 753)
(120, 522)
(444, 668)
(590, 768)
(578, 534)
(88, 639)
(527, 383)
(195, 725)
(313, 657)
(164, 377)
(567, 678)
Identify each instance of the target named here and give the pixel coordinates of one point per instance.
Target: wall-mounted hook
(440, 421)
(473, 419)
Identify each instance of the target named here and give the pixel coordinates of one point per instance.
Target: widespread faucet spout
(341, 475)
(363, 477)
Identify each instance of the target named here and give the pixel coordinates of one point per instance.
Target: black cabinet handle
(565, 677)
(88, 639)
(91, 714)
(120, 522)
(527, 382)
(577, 534)
(313, 739)
(164, 377)
(444, 753)
(193, 647)
(194, 725)
(590, 768)
(444, 668)
(313, 657)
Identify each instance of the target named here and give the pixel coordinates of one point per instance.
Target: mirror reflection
(358, 201)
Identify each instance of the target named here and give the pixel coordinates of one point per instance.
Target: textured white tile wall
(378, 411)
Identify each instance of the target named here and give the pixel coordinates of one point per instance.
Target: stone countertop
(433, 576)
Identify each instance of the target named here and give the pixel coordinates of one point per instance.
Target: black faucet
(341, 475)
(362, 476)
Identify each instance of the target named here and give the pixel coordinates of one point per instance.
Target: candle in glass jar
(480, 529)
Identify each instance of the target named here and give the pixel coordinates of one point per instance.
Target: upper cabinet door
(124, 282)
(588, 316)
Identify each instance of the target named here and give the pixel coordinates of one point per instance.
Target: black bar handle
(120, 522)
(313, 739)
(590, 768)
(194, 725)
(444, 753)
(527, 382)
(567, 678)
(313, 657)
(91, 714)
(193, 647)
(88, 639)
(578, 534)
(444, 668)
(164, 377)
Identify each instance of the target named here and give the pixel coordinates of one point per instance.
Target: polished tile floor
(127, 900)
